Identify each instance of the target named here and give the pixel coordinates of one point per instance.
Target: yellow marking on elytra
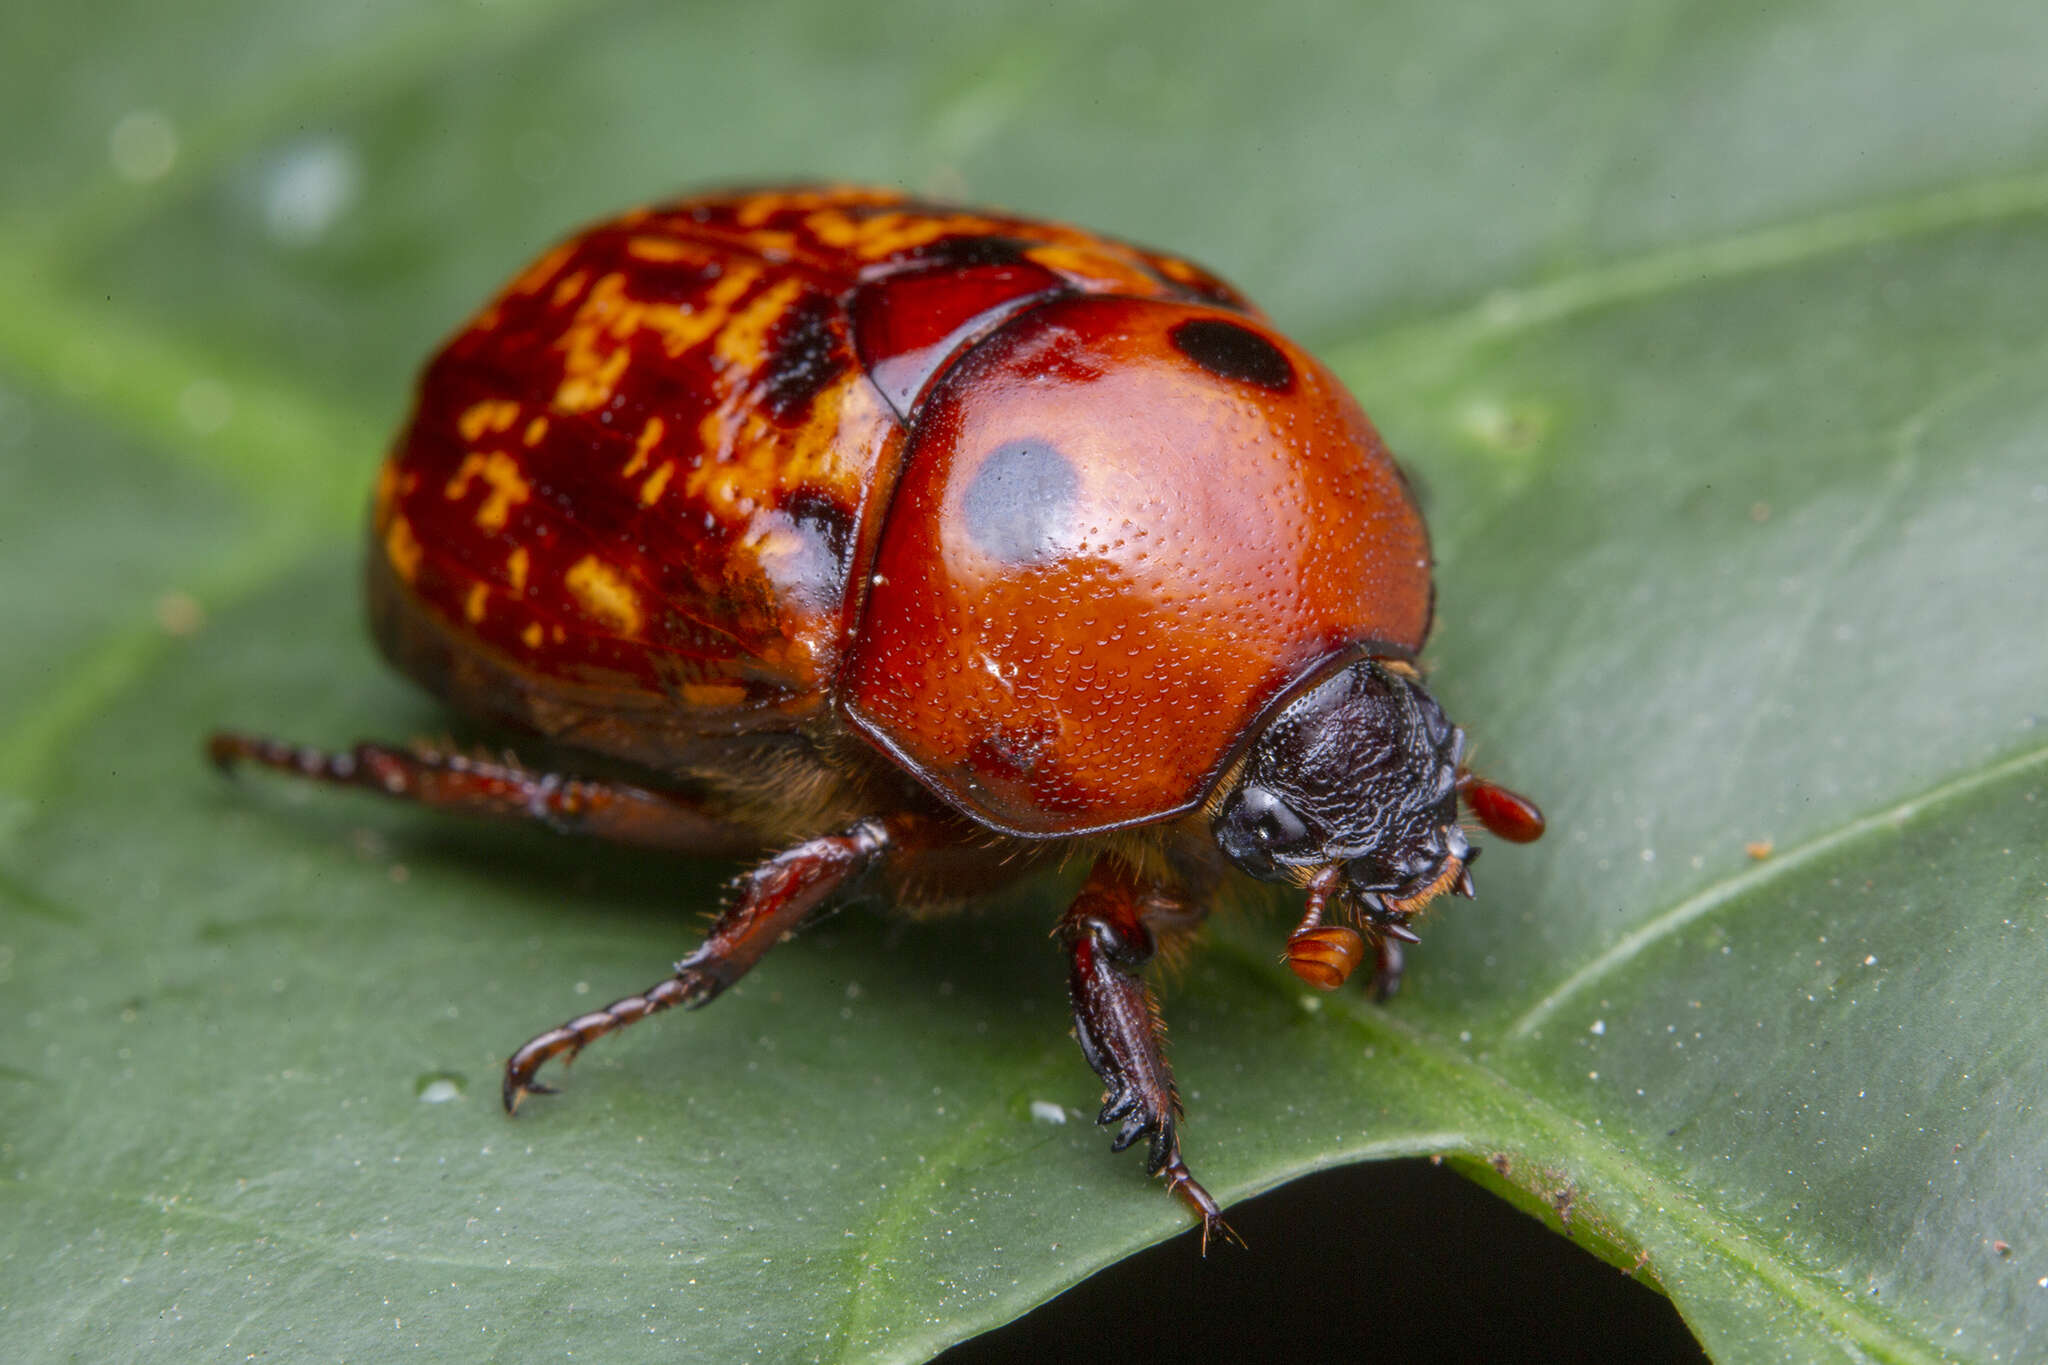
(536, 431)
(884, 234)
(681, 327)
(566, 290)
(557, 634)
(531, 637)
(743, 342)
(507, 484)
(717, 435)
(491, 415)
(1092, 264)
(599, 590)
(473, 605)
(757, 209)
(668, 251)
(592, 386)
(1181, 272)
(516, 565)
(595, 346)
(541, 271)
(650, 436)
(763, 462)
(773, 243)
(403, 548)
(657, 482)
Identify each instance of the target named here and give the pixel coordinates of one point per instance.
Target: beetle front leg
(1111, 931)
(772, 901)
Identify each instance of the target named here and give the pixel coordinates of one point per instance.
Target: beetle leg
(771, 903)
(616, 811)
(1388, 963)
(1111, 931)
(1386, 928)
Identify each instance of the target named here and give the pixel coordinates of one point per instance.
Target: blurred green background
(1715, 336)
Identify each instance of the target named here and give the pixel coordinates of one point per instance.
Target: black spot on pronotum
(806, 352)
(1016, 507)
(1233, 351)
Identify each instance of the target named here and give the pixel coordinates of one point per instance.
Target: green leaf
(1716, 337)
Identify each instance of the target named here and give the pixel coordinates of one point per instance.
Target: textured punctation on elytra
(919, 548)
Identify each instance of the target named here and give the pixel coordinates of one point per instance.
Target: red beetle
(924, 546)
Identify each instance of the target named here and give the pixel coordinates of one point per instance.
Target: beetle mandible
(923, 547)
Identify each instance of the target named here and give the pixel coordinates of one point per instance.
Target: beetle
(898, 544)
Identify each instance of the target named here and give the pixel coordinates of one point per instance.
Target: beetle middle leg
(771, 902)
(1112, 930)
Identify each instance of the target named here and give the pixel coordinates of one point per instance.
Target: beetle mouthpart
(1462, 852)
(1452, 875)
(1381, 918)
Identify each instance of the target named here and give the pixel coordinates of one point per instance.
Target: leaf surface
(1715, 337)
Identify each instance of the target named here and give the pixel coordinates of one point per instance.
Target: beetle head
(1360, 773)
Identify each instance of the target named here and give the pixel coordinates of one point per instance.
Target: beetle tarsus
(1190, 1192)
(515, 1093)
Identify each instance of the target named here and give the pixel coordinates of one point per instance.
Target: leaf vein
(1436, 340)
(1728, 889)
(1477, 1088)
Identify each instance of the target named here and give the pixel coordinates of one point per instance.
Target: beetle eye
(1257, 826)
(1272, 821)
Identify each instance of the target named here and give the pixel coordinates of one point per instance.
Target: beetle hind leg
(619, 812)
(1110, 935)
(771, 902)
